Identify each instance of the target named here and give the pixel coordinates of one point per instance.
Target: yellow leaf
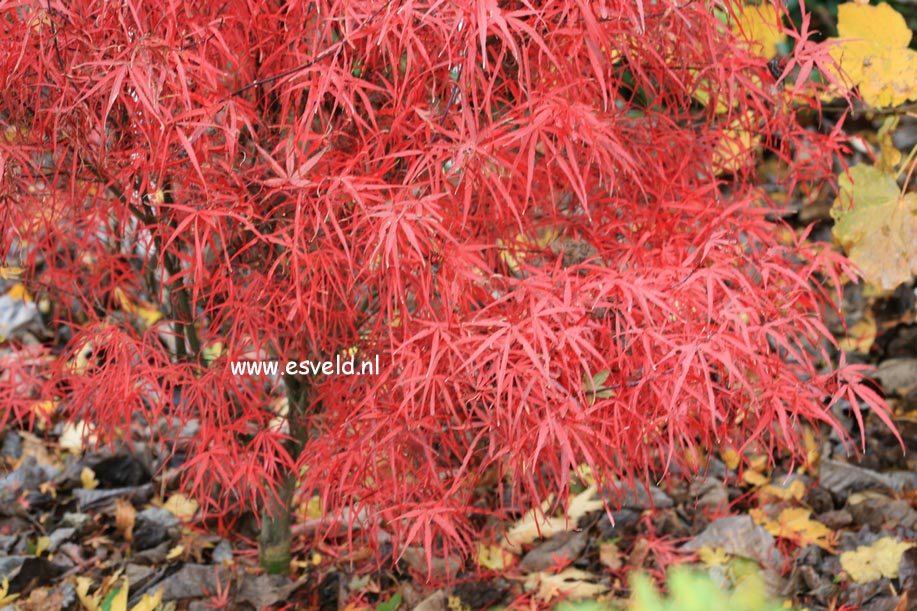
(91, 602)
(175, 552)
(754, 478)
(794, 490)
(19, 292)
(74, 435)
(88, 478)
(873, 51)
(730, 457)
(5, 597)
(890, 155)
(573, 584)
(119, 601)
(493, 557)
(149, 603)
(41, 545)
(737, 146)
(10, 273)
(761, 26)
(795, 524)
(877, 226)
(534, 524)
(313, 509)
(213, 351)
(181, 506)
(860, 336)
(712, 557)
(514, 252)
(44, 410)
(871, 562)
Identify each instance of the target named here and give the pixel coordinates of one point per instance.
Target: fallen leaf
(493, 557)
(877, 226)
(611, 556)
(872, 49)
(125, 516)
(5, 597)
(871, 562)
(88, 479)
(762, 28)
(794, 490)
(712, 557)
(860, 336)
(570, 583)
(76, 436)
(181, 506)
(148, 602)
(535, 524)
(795, 524)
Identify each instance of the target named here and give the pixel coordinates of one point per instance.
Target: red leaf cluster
(519, 207)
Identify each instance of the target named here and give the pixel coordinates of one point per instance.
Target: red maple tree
(541, 217)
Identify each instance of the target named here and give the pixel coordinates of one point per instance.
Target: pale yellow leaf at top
(872, 49)
(877, 226)
(762, 28)
(871, 562)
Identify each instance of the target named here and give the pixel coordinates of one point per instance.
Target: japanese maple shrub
(541, 217)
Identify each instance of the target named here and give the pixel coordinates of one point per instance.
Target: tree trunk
(275, 540)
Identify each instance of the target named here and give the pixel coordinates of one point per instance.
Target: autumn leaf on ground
(181, 506)
(860, 336)
(493, 557)
(535, 524)
(761, 27)
(88, 479)
(877, 226)
(569, 583)
(871, 562)
(795, 524)
(873, 50)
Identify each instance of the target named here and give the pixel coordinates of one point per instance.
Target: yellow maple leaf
(762, 28)
(877, 226)
(872, 49)
(712, 557)
(493, 557)
(737, 146)
(181, 506)
(871, 562)
(795, 524)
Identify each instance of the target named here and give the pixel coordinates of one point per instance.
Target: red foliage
(500, 201)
